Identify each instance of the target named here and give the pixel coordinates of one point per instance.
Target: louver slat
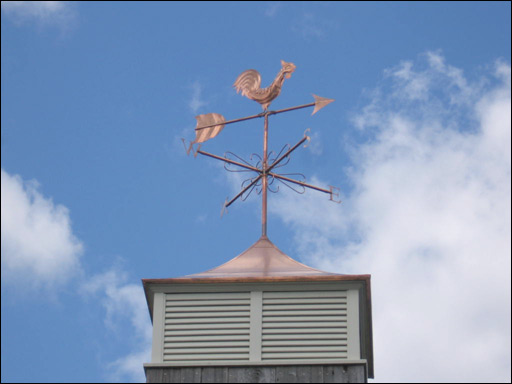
(309, 307)
(309, 294)
(304, 325)
(271, 343)
(216, 338)
(206, 327)
(190, 315)
(222, 320)
(312, 301)
(206, 357)
(204, 332)
(293, 335)
(205, 308)
(308, 355)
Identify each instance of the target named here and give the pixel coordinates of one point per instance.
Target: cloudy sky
(97, 191)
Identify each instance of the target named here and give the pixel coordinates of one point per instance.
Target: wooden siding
(337, 373)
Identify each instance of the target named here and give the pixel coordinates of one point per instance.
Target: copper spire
(263, 259)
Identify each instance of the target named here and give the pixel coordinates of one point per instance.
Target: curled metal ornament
(308, 138)
(273, 158)
(269, 185)
(289, 185)
(259, 163)
(227, 165)
(227, 156)
(247, 193)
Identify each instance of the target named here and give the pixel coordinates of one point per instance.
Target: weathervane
(211, 124)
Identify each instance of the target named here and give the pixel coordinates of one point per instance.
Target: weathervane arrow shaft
(319, 103)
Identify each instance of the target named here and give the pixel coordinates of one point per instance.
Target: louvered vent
(304, 325)
(206, 327)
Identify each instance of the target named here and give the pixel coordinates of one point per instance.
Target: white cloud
(310, 26)
(272, 8)
(417, 84)
(196, 103)
(40, 250)
(124, 303)
(130, 367)
(38, 246)
(315, 145)
(430, 218)
(43, 12)
(201, 219)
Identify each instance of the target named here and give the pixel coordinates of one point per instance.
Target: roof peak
(262, 259)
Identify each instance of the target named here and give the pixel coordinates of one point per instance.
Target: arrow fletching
(208, 126)
(320, 102)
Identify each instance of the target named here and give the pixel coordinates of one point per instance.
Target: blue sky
(98, 192)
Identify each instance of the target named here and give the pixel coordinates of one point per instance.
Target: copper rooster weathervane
(249, 83)
(211, 124)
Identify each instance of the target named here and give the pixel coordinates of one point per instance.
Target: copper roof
(262, 259)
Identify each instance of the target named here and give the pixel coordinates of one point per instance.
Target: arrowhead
(320, 102)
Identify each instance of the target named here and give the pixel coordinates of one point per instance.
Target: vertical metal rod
(264, 181)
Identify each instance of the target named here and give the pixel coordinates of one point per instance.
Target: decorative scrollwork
(300, 192)
(308, 138)
(247, 182)
(235, 155)
(270, 183)
(272, 158)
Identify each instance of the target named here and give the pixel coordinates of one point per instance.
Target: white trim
(256, 326)
(255, 363)
(247, 287)
(353, 338)
(157, 351)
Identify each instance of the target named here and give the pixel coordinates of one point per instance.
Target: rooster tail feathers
(248, 81)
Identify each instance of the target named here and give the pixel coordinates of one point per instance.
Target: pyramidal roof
(262, 260)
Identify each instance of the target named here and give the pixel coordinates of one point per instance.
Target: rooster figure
(249, 83)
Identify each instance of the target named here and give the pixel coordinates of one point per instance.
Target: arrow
(319, 103)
